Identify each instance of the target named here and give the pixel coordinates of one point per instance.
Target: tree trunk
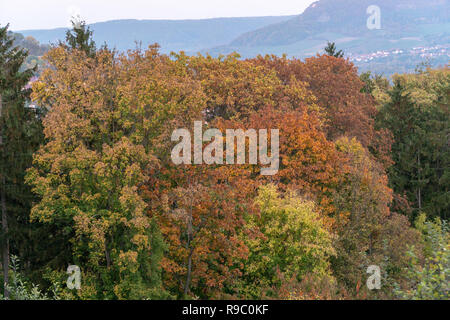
(5, 249)
(189, 272)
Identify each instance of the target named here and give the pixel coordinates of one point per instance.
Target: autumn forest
(87, 177)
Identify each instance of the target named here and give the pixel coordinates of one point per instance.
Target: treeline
(87, 177)
(35, 51)
(29, 43)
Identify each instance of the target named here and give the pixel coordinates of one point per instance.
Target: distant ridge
(412, 32)
(176, 35)
(399, 18)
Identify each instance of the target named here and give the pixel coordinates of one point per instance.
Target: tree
(428, 279)
(368, 233)
(294, 242)
(141, 227)
(236, 88)
(80, 38)
(19, 129)
(336, 86)
(308, 162)
(201, 221)
(417, 114)
(21, 288)
(107, 132)
(330, 49)
(31, 44)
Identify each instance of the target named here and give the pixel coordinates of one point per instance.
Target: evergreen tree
(80, 38)
(420, 126)
(19, 137)
(330, 50)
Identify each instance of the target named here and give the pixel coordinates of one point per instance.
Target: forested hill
(412, 32)
(399, 18)
(176, 35)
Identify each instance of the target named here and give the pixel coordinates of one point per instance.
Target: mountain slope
(412, 32)
(187, 35)
(349, 17)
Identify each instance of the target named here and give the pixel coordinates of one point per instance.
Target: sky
(48, 14)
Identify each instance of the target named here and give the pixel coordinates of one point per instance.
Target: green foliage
(362, 198)
(294, 243)
(372, 83)
(20, 136)
(21, 289)
(331, 50)
(429, 280)
(80, 38)
(417, 113)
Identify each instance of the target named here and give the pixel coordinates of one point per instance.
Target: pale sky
(48, 14)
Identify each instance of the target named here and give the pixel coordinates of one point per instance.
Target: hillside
(400, 18)
(176, 35)
(412, 32)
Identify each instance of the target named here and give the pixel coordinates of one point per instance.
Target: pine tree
(330, 49)
(420, 152)
(19, 127)
(80, 38)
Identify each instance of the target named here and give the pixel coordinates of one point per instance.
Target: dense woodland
(87, 178)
